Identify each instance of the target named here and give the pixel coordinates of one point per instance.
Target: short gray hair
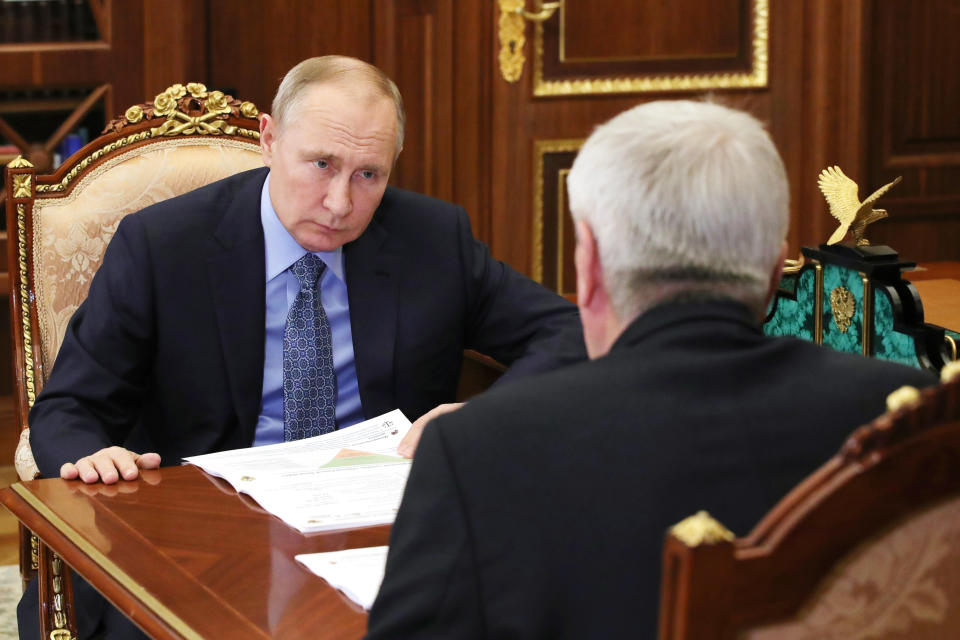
(333, 70)
(685, 199)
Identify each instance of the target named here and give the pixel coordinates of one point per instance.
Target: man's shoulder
(537, 405)
(825, 365)
(400, 206)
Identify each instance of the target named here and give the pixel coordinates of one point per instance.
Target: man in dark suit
(168, 353)
(539, 510)
(184, 347)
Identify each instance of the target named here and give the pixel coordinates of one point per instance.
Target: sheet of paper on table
(356, 572)
(347, 478)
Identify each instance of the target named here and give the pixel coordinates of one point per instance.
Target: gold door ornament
(513, 17)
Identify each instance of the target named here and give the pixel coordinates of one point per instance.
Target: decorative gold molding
(34, 552)
(818, 302)
(867, 324)
(135, 588)
(950, 371)
(25, 304)
(540, 149)
(793, 266)
(173, 107)
(113, 146)
(20, 163)
(58, 615)
(756, 78)
(561, 201)
(953, 350)
(21, 185)
(93, 157)
(196, 109)
(699, 529)
(905, 396)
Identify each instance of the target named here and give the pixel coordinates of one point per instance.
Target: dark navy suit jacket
(166, 353)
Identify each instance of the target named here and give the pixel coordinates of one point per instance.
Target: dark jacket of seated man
(166, 353)
(539, 510)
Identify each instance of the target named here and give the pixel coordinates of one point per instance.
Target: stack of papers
(356, 572)
(348, 478)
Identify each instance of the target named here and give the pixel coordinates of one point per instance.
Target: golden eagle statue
(854, 216)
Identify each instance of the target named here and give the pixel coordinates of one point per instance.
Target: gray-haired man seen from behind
(539, 510)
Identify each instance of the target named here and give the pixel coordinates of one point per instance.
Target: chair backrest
(866, 547)
(60, 224)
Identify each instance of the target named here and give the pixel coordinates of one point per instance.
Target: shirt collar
(281, 249)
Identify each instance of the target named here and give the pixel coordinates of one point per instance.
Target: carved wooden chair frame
(179, 111)
(715, 587)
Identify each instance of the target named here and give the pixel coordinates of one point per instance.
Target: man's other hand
(408, 445)
(109, 465)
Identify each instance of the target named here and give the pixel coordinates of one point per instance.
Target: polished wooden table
(184, 556)
(938, 284)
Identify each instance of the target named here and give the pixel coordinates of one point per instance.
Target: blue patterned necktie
(309, 383)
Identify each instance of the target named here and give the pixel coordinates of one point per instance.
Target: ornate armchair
(59, 227)
(866, 547)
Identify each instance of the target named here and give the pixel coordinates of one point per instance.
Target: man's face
(329, 163)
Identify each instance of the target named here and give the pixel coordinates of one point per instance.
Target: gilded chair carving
(60, 224)
(867, 547)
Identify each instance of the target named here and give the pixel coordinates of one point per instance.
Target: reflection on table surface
(181, 552)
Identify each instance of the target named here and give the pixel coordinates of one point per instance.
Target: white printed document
(356, 572)
(349, 478)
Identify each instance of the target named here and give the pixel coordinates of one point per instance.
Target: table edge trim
(122, 577)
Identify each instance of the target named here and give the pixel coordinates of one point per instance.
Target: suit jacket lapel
(373, 289)
(237, 278)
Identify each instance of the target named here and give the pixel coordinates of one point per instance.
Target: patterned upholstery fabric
(70, 234)
(904, 583)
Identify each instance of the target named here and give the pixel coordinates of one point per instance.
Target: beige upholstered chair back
(59, 225)
(867, 547)
(71, 233)
(902, 584)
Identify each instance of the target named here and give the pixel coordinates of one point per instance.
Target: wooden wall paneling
(472, 134)
(700, 37)
(523, 120)
(416, 52)
(175, 46)
(818, 121)
(438, 52)
(253, 44)
(788, 103)
(914, 131)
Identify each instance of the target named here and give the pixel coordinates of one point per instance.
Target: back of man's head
(684, 199)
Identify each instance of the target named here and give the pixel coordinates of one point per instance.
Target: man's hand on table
(109, 465)
(408, 445)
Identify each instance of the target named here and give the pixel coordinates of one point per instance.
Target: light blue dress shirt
(281, 251)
